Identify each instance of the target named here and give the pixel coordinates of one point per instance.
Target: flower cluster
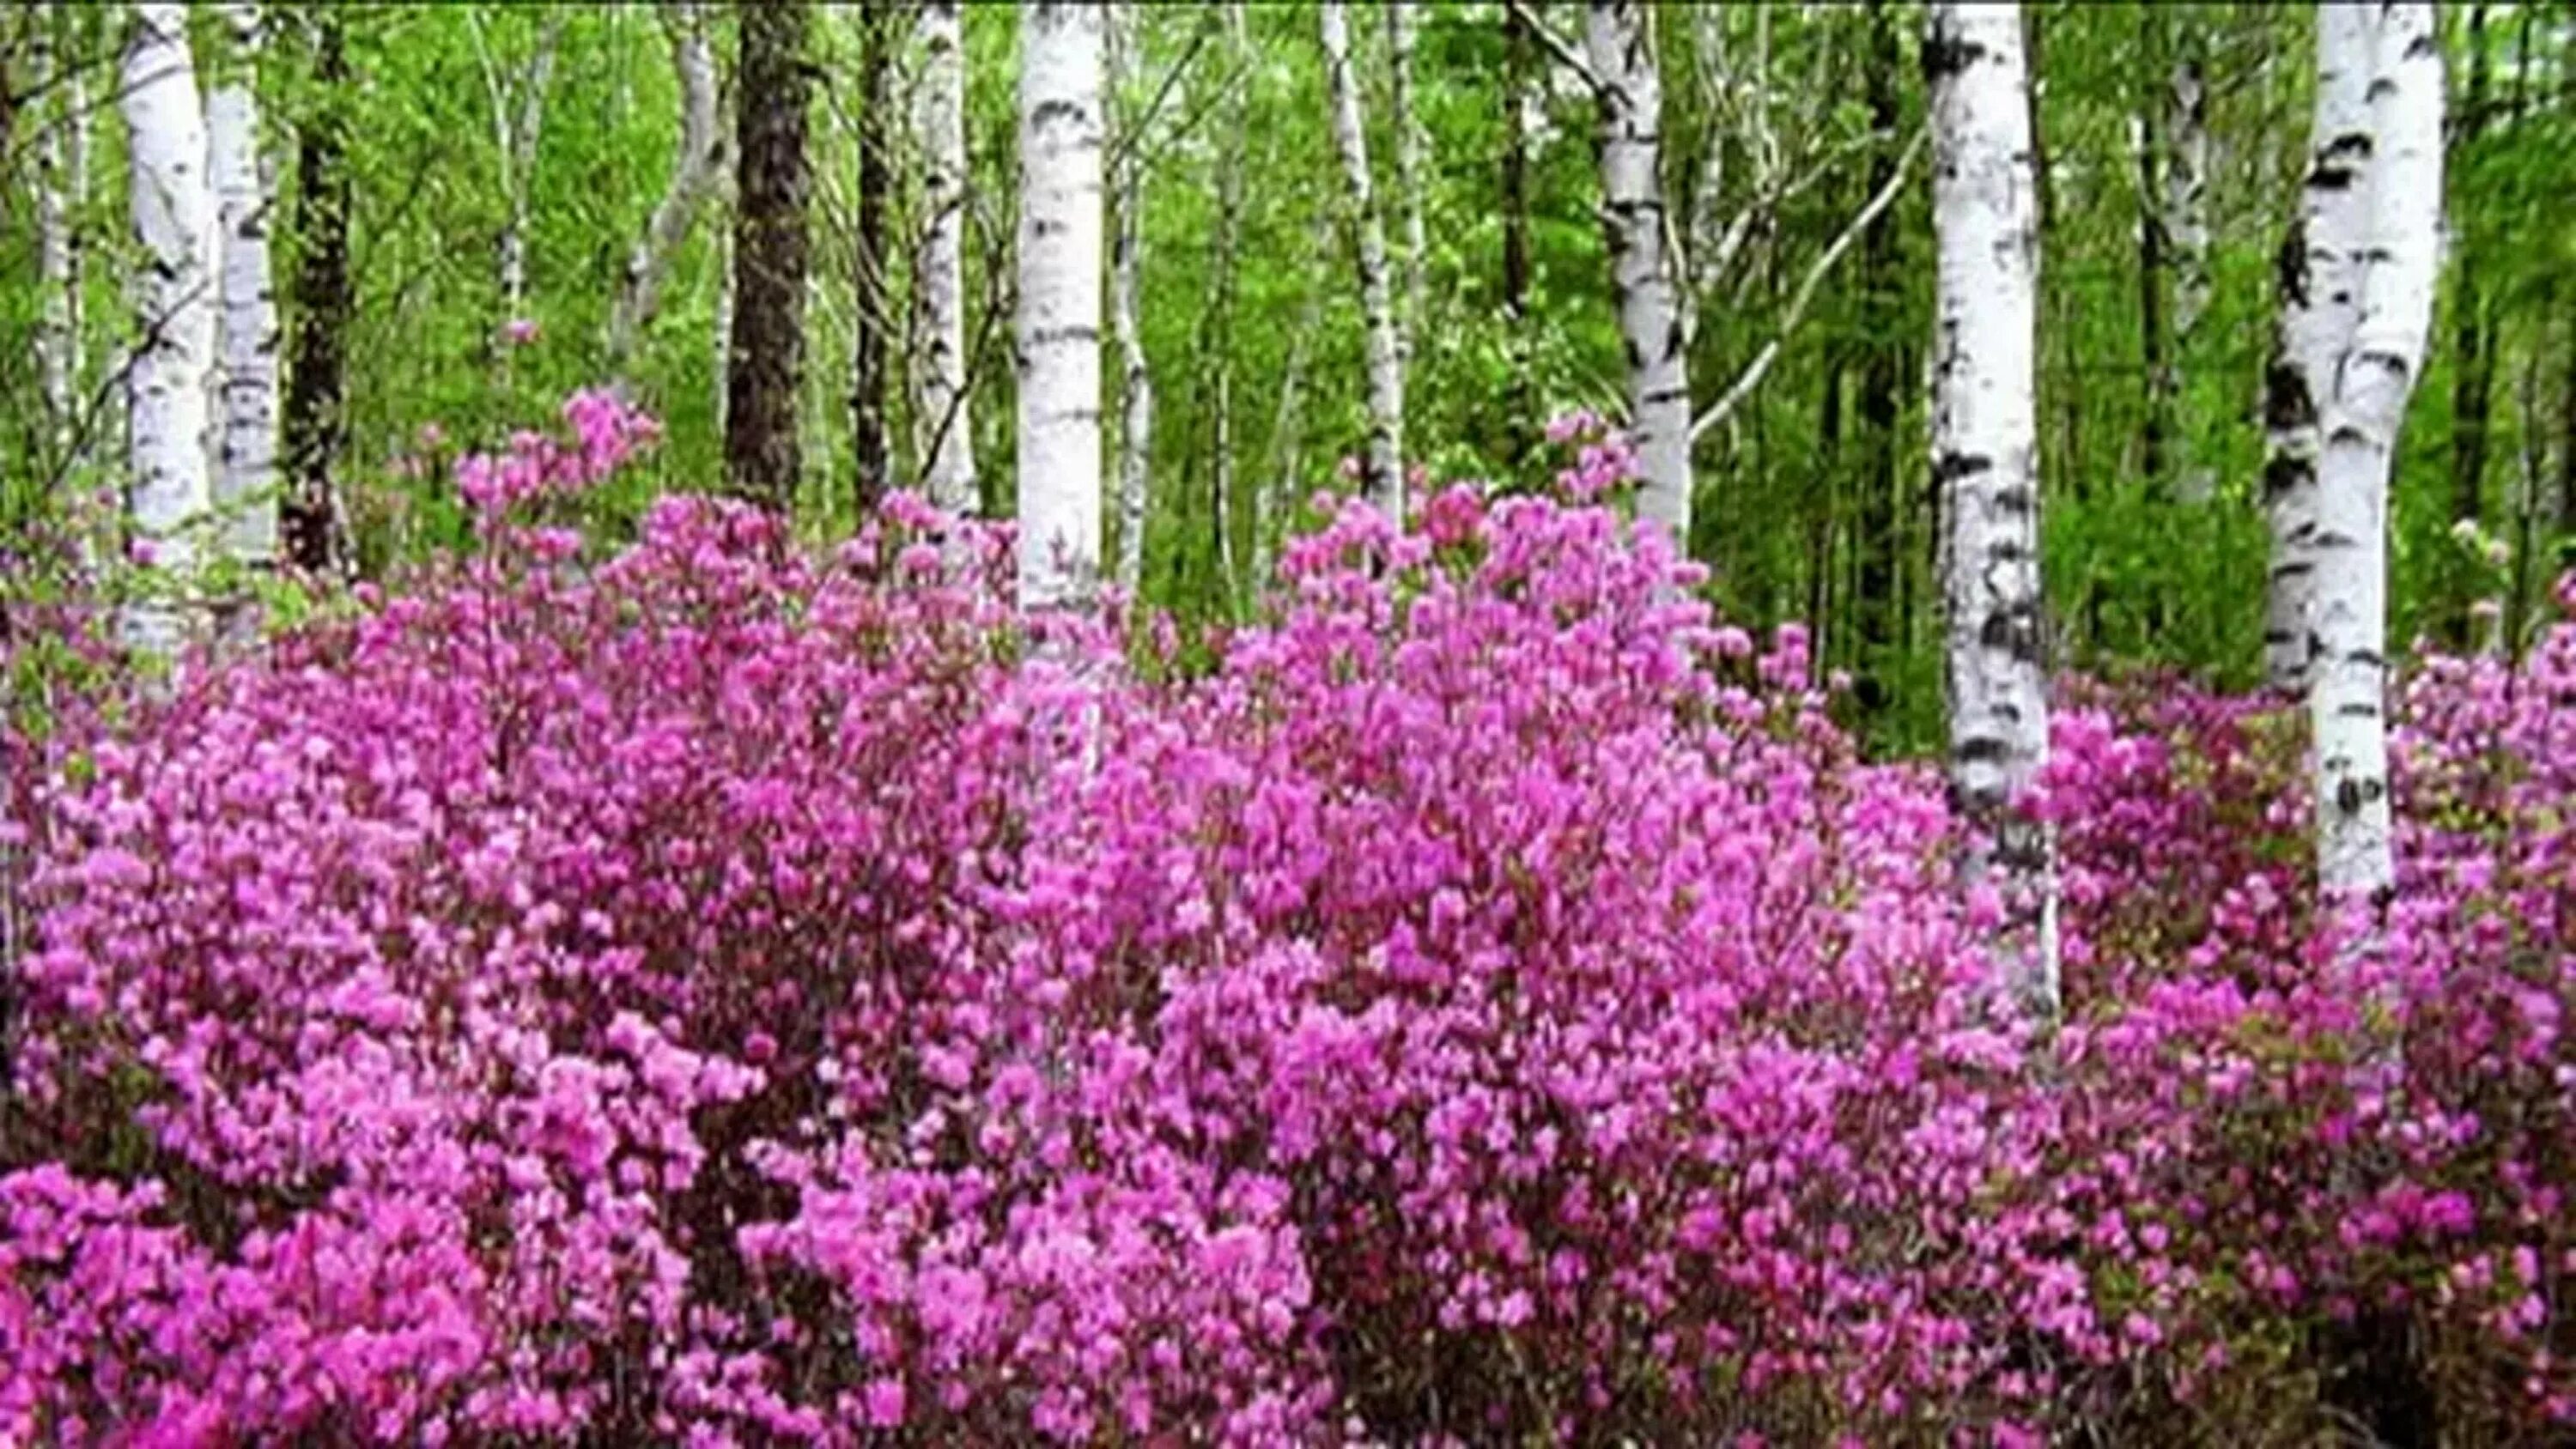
(737, 996)
(606, 433)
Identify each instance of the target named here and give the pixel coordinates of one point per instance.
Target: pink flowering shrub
(714, 994)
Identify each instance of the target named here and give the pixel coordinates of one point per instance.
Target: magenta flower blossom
(717, 993)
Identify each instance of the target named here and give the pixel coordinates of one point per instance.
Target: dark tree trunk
(2567, 440)
(1521, 434)
(1821, 615)
(2155, 348)
(315, 413)
(767, 363)
(2472, 341)
(1874, 607)
(875, 342)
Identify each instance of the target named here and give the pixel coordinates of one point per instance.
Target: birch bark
(2319, 285)
(1400, 22)
(173, 213)
(1630, 92)
(1058, 322)
(1985, 437)
(245, 187)
(945, 437)
(1136, 383)
(57, 335)
(699, 160)
(2187, 238)
(2347, 694)
(1385, 348)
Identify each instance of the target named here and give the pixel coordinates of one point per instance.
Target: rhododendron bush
(718, 993)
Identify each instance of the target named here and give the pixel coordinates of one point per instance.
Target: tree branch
(1556, 45)
(1754, 371)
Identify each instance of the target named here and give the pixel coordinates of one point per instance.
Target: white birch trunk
(174, 230)
(1985, 435)
(1287, 424)
(245, 184)
(945, 437)
(518, 117)
(1400, 21)
(2187, 234)
(694, 168)
(1385, 348)
(1136, 389)
(2319, 306)
(1058, 322)
(57, 344)
(723, 340)
(2347, 694)
(1229, 229)
(1632, 197)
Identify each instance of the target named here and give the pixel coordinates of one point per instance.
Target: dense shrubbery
(720, 995)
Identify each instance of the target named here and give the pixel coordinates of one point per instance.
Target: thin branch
(1754, 371)
(1555, 45)
(1126, 140)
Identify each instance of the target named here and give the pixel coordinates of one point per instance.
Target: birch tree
(1985, 438)
(245, 186)
(1058, 322)
(2359, 427)
(518, 104)
(58, 324)
(1629, 90)
(1217, 332)
(173, 212)
(1385, 473)
(696, 166)
(946, 439)
(2319, 279)
(1523, 120)
(2186, 229)
(1136, 383)
(1400, 22)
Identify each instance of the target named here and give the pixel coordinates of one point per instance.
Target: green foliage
(1767, 118)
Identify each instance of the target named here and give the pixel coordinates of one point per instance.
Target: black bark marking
(1947, 55)
(1950, 466)
(1049, 112)
(2286, 401)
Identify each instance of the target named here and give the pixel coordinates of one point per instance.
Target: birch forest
(1329, 722)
